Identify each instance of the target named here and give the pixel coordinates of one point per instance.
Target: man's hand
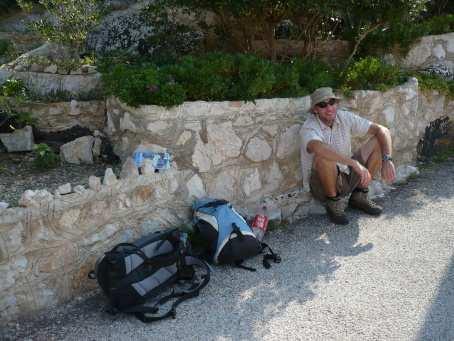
(363, 172)
(388, 171)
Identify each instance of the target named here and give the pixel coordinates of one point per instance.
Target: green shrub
(219, 77)
(400, 36)
(287, 83)
(371, 74)
(315, 74)
(142, 85)
(254, 78)
(434, 82)
(6, 48)
(13, 88)
(13, 93)
(68, 21)
(45, 157)
(206, 78)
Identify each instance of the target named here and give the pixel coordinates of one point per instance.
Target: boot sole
(366, 210)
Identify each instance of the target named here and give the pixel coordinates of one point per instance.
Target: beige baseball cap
(321, 95)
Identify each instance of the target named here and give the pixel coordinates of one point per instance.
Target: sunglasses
(331, 102)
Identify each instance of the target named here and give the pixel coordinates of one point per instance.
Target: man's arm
(383, 136)
(388, 171)
(320, 149)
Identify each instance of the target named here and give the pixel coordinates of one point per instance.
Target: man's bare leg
(327, 172)
(372, 154)
(335, 205)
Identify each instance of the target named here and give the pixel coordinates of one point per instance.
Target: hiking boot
(335, 208)
(360, 200)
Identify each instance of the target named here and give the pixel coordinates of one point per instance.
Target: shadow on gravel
(247, 305)
(434, 183)
(237, 304)
(440, 316)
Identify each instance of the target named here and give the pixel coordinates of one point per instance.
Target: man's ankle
(362, 190)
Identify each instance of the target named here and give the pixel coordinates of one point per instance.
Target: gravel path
(386, 278)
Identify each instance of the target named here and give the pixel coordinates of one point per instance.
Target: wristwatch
(387, 157)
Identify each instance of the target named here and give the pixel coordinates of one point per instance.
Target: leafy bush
(287, 81)
(255, 78)
(434, 82)
(68, 22)
(6, 48)
(13, 88)
(12, 94)
(45, 157)
(206, 78)
(400, 35)
(315, 74)
(142, 85)
(371, 74)
(215, 77)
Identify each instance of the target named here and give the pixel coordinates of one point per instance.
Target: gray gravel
(17, 174)
(386, 278)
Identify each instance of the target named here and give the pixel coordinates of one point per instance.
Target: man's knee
(371, 147)
(322, 164)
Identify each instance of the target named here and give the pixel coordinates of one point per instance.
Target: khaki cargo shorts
(345, 183)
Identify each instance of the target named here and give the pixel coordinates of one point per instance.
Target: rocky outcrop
(434, 54)
(124, 28)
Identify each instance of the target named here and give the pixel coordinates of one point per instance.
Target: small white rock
(64, 189)
(94, 183)
(79, 189)
(109, 178)
(51, 69)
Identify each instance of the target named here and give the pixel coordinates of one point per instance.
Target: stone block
(250, 181)
(64, 189)
(195, 187)
(78, 151)
(222, 143)
(258, 150)
(403, 172)
(94, 183)
(289, 142)
(110, 178)
(21, 140)
(51, 69)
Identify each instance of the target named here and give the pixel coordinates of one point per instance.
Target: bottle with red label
(260, 223)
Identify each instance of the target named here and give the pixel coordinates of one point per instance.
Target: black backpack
(136, 277)
(226, 236)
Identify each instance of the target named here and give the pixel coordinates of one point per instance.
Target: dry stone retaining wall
(243, 152)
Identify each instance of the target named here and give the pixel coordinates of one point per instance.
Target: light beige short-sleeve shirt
(339, 138)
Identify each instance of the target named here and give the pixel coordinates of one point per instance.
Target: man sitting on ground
(331, 172)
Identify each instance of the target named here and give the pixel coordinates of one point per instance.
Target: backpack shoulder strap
(149, 314)
(269, 256)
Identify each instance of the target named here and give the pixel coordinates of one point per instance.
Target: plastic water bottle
(260, 223)
(138, 158)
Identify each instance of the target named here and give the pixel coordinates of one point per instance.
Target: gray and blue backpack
(140, 277)
(226, 236)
